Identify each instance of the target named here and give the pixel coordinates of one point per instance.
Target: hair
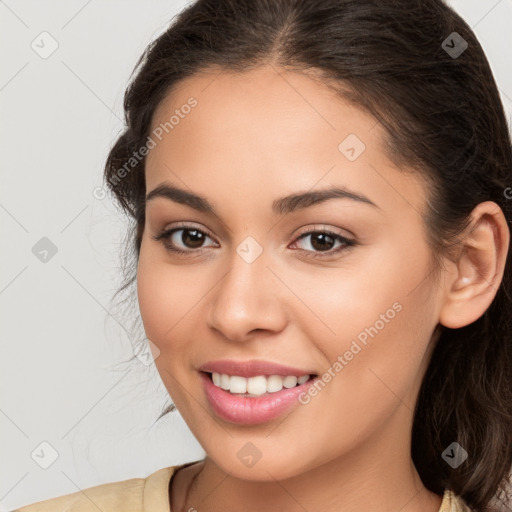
(442, 118)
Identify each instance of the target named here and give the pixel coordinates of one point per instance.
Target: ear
(475, 277)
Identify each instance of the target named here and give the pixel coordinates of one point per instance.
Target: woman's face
(254, 285)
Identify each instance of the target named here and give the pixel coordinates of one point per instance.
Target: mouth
(253, 400)
(259, 385)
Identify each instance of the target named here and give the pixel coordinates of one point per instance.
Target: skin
(252, 138)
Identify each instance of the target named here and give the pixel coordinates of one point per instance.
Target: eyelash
(164, 236)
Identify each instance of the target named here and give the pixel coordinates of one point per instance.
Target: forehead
(264, 94)
(282, 128)
(267, 110)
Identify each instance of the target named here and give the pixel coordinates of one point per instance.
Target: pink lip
(251, 410)
(252, 368)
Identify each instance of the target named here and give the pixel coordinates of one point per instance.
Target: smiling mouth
(258, 385)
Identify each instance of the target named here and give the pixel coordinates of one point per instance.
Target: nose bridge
(245, 299)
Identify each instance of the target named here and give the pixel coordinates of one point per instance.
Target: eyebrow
(281, 206)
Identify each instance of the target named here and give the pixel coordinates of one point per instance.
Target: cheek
(383, 333)
(166, 302)
(165, 296)
(377, 313)
(365, 293)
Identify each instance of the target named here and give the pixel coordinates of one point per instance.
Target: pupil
(196, 238)
(322, 237)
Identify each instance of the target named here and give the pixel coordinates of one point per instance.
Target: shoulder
(133, 495)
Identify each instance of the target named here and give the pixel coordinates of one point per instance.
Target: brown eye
(183, 240)
(191, 238)
(323, 242)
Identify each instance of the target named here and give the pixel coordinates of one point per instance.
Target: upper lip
(251, 368)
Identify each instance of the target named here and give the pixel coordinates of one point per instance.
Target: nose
(247, 300)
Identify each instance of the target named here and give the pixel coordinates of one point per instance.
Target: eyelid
(323, 228)
(185, 225)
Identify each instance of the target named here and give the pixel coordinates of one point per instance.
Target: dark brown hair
(443, 117)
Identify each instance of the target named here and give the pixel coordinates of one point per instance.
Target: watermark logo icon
(454, 45)
(249, 249)
(454, 455)
(147, 352)
(249, 454)
(44, 250)
(44, 455)
(44, 45)
(351, 147)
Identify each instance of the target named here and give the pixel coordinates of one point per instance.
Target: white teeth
(224, 381)
(290, 381)
(237, 384)
(256, 386)
(274, 383)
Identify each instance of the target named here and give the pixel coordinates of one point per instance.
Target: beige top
(150, 494)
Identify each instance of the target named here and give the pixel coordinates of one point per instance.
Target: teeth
(224, 381)
(237, 384)
(256, 386)
(274, 383)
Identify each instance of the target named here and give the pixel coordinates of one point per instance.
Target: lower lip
(248, 410)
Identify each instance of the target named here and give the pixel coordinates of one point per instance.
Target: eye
(190, 238)
(322, 241)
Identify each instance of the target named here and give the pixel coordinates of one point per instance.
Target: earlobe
(477, 274)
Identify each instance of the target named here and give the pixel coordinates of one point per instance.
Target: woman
(320, 205)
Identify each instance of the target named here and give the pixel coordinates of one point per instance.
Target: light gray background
(59, 116)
